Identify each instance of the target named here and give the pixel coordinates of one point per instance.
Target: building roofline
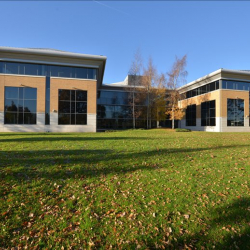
(241, 72)
(99, 61)
(51, 52)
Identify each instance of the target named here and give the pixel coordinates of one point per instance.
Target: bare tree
(147, 91)
(149, 83)
(176, 77)
(134, 74)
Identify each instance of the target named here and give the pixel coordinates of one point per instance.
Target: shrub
(182, 130)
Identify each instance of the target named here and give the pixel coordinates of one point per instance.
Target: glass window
(29, 93)
(212, 86)
(72, 107)
(29, 106)
(81, 119)
(11, 105)
(20, 105)
(235, 112)
(11, 68)
(47, 70)
(64, 107)
(31, 69)
(54, 70)
(64, 95)
(11, 93)
(29, 118)
(81, 73)
(91, 73)
(114, 110)
(64, 119)
(65, 72)
(81, 107)
(114, 97)
(217, 85)
(208, 113)
(191, 115)
(81, 95)
(2, 67)
(204, 89)
(235, 85)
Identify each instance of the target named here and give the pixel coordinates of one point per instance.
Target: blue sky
(213, 34)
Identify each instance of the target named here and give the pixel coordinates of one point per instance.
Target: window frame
(191, 117)
(206, 117)
(73, 115)
(234, 122)
(20, 113)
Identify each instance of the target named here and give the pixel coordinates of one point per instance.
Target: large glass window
(201, 90)
(114, 110)
(208, 113)
(235, 85)
(72, 107)
(47, 70)
(20, 105)
(113, 97)
(235, 112)
(191, 115)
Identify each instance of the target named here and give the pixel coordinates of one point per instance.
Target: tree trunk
(148, 112)
(172, 117)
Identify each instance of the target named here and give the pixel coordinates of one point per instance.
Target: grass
(125, 190)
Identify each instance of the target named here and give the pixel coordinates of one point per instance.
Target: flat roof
(43, 55)
(51, 52)
(219, 71)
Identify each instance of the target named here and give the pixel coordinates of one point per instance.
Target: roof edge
(241, 72)
(48, 52)
(201, 79)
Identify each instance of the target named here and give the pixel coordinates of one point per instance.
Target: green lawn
(125, 190)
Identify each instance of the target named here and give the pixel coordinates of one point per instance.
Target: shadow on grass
(66, 138)
(61, 164)
(229, 228)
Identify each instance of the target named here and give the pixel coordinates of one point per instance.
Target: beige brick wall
(221, 97)
(234, 94)
(29, 81)
(59, 83)
(214, 95)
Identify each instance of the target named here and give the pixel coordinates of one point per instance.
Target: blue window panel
(30, 94)
(29, 106)
(11, 93)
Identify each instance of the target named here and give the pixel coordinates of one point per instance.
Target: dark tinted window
(64, 95)
(72, 107)
(235, 112)
(47, 70)
(11, 68)
(208, 117)
(32, 69)
(81, 95)
(191, 115)
(1, 67)
(20, 105)
(81, 73)
(201, 90)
